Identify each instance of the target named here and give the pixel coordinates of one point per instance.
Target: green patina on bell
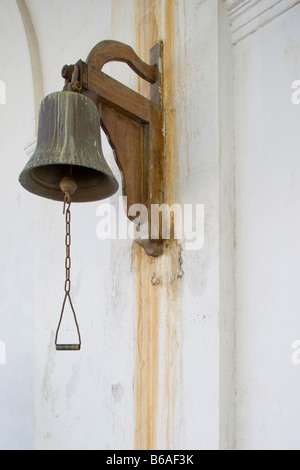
(69, 142)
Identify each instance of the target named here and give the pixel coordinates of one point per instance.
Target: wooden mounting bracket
(134, 126)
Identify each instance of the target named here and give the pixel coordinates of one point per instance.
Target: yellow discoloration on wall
(169, 90)
(158, 362)
(148, 323)
(158, 366)
(148, 23)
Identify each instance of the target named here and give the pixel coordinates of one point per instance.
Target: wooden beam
(119, 97)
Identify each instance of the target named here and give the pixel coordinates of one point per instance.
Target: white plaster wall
(87, 401)
(17, 237)
(268, 232)
(227, 311)
(198, 120)
(82, 401)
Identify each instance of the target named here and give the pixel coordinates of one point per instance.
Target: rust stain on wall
(148, 323)
(148, 24)
(158, 280)
(158, 361)
(169, 101)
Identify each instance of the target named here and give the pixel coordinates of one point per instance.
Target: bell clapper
(68, 186)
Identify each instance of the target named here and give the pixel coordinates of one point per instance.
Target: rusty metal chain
(68, 347)
(68, 251)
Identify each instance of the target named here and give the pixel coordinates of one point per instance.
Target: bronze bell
(69, 143)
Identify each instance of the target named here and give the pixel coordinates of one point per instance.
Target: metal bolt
(67, 72)
(77, 87)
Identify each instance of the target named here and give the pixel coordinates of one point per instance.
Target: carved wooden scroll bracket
(134, 126)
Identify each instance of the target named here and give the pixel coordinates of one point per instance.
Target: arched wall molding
(35, 59)
(248, 16)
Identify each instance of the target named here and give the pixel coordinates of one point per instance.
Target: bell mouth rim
(93, 193)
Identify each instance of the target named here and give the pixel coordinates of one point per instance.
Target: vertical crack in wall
(158, 361)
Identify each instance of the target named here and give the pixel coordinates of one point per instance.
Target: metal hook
(67, 201)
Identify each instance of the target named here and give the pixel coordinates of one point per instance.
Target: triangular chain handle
(68, 347)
